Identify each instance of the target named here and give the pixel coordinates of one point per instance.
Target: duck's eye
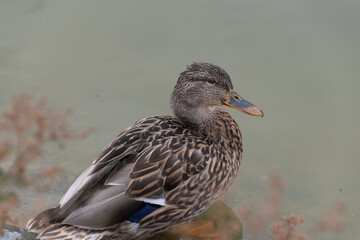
(211, 80)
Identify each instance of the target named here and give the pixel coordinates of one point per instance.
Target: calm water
(114, 62)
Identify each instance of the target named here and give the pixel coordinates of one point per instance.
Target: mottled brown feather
(189, 165)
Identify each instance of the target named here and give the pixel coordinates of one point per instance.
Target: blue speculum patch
(142, 212)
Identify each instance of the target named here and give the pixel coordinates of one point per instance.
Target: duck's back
(154, 175)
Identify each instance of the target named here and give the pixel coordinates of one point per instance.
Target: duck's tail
(48, 226)
(43, 220)
(60, 231)
(68, 232)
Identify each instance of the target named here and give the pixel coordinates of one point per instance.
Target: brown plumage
(162, 171)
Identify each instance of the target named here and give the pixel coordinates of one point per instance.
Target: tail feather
(68, 232)
(44, 219)
(48, 225)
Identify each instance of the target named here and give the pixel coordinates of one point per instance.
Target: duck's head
(200, 88)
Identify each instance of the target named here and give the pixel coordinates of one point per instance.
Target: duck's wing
(96, 202)
(133, 175)
(92, 199)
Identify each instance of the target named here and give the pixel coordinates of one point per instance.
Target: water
(114, 62)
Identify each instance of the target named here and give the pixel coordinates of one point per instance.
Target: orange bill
(235, 101)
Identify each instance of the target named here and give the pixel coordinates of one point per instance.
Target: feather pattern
(159, 173)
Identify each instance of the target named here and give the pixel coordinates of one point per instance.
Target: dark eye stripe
(219, 84)
(199, 80)
(211, 80)
(203, 80)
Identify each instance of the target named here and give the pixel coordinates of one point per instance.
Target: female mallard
(162, 171)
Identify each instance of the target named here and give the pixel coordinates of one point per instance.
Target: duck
(161, 172)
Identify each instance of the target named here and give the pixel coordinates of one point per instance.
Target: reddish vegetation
(330, 220)
(284, 228)
(25, 126)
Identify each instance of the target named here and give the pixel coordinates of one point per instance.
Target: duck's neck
(215, 123)
(197, 116)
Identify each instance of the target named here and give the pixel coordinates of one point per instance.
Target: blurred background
(114, 62)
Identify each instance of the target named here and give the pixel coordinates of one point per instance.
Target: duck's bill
(235, 101)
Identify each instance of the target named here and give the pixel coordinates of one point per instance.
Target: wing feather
(143, 164)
